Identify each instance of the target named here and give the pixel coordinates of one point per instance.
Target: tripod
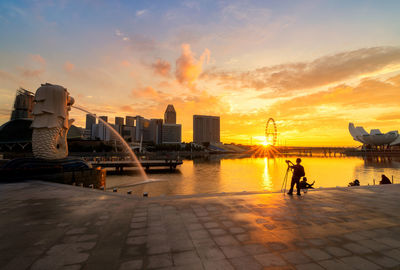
(284, 183)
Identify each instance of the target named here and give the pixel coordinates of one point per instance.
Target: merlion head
(51, 103)
(50, 121)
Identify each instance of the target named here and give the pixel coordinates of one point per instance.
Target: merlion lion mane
(50, 123)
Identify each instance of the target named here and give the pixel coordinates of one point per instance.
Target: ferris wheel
(271, 133)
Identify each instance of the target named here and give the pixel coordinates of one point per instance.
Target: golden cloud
(148, 93)
(322, 71)
(127, 108)
(188, 68)
(389, 116)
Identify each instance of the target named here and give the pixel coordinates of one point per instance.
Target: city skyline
(313, 66)
(137, 128)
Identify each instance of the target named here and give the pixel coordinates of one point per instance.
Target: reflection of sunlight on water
(267, 183)
(254, 174)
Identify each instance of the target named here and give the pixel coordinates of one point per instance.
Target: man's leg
(291, 187)
(298, 186)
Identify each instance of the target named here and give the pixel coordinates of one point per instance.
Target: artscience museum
(375, 138)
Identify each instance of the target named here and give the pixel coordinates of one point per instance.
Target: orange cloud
(368, 93)
(37, 58)
(188, 68)
(164, 84)
(320, 72)
(149, 93)
(389, 116)
(68, 66)
(161, 67)
(127, 108)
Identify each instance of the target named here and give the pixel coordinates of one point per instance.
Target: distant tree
(206, 144)
(188, 147)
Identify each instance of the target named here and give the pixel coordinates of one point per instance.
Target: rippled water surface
(219, 174)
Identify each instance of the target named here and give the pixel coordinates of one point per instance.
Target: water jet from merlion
(131, 153)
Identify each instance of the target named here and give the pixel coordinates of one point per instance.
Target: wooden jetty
(146, 164)
(310, 151)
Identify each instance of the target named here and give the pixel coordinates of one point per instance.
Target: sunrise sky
(311, 65)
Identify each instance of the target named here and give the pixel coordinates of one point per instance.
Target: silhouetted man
(385, 180)
(298, 172)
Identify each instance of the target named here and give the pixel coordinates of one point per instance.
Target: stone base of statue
(67, 171)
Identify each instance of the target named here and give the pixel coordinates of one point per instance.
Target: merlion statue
(50, 122)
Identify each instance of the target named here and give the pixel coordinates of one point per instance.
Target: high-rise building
(23, 104)
(130, 121)
(94, 133)
(170, 115)
(90, 125)
(129, 133)
(101, 132)
(119, 121)
(104, 118)
(90, 120)
(156, 130)
(139, 128)
(146, 130)
(206, 129)
(142, 129)
(171, 133)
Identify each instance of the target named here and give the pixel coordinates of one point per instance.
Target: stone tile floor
(51, 226)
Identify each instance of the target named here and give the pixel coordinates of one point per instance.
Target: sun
(266, 143)
(265, 149)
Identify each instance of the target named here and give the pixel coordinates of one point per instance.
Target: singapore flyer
(271, 133)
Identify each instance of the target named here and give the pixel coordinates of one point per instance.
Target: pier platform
(53, 226)
(146, 164)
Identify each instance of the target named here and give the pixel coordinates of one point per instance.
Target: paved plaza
(52, 226)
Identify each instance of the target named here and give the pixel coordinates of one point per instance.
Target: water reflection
(266, 176)
(371, 170)
(382, 162)
(205, 176)
(220, 174)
